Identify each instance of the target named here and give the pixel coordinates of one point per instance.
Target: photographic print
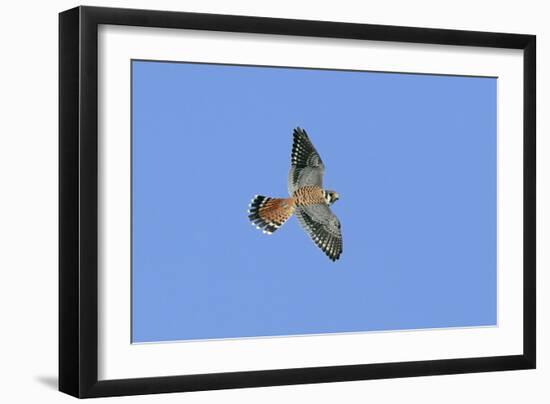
(248, 201)
(375, 195)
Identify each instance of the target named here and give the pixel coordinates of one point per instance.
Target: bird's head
(331, 197)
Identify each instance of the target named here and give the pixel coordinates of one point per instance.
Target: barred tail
(268, 214)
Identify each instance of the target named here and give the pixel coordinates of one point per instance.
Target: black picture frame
(78, 201)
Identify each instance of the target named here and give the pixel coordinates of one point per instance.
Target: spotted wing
(323, 227)
(306, 165)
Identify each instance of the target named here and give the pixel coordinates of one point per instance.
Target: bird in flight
(308, 200)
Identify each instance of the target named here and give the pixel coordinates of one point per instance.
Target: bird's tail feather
(268, 214)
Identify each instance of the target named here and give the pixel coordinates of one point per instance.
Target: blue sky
(413, 158)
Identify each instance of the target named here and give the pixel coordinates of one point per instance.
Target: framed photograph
(388, 174)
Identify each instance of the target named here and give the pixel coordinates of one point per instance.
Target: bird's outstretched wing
(323, 227)
(306, 166)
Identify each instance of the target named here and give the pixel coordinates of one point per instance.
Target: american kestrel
(308, 200)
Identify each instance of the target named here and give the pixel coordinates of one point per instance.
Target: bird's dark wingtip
(298, 131)
(333, 258)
